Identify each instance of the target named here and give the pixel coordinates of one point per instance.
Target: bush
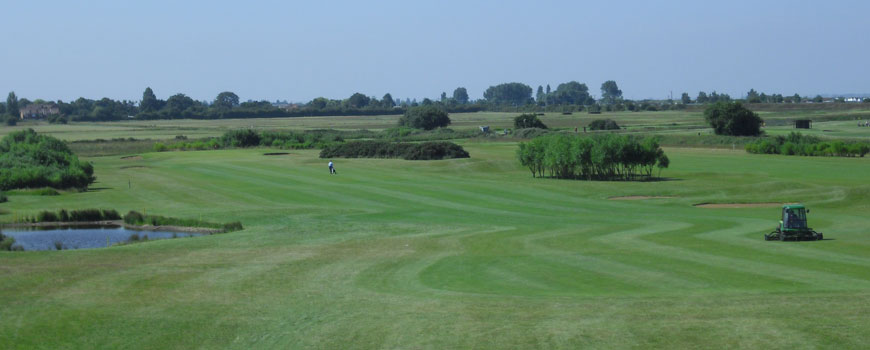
(241, 138)
(138, 219)
(30, 160)
(731, 118)
(47, 216)
(603, 124)
(404, 150)
(62, 215)
(84, 215)
(529, 120)
(424, 117)
(111, 214)
(46, 192)
(6, 242)
(3, 197)
(530, 133)
(797, 144)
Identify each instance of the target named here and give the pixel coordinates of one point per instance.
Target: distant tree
(149, 101)
(570, 93)
(603, 124)
(358, 100)
(796, 98)
(818, 99)
(731, 118)
(702, 97)
(610, 92)
(318, 103)
(226, 100)
(179, 103)
(12, 104)
(2, 109)
(548, 89)
(529, 120)
(388, 101)
(685, 99)
(460, 95)
(539, 95)
(425, 117)
(753, 97)
(443, 96)
(515, 94)
(427, 102)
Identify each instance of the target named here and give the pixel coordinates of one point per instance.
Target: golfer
(331, 168)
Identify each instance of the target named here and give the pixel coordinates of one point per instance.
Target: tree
(731, 118)
(610, 93)
(179, 103)
(796, 98)
(318, 103)
(12, 105)
(226, 100)
(685, 99)
(529, 120)
(460, 95)
(548, 89)
(149, 101)
(753, 97)
(424, 117)
(539, 96)
(702, 97)
(388, 101)
(570, 93)
(818, 99)
(443, 96)
(514, 94)
(358, 100)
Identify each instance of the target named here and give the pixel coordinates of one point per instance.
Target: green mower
(793, 226)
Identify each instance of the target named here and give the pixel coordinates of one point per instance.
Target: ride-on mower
(793, 226)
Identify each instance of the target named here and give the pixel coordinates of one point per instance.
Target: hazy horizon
(298, 51)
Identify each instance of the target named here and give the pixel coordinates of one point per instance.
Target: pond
(80, 237)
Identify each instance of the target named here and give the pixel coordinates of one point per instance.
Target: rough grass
(464, 253)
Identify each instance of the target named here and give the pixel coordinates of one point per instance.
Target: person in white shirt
(331, 168)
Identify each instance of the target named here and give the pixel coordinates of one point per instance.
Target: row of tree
(602, 157)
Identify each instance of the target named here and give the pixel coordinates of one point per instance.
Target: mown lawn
(471, 253)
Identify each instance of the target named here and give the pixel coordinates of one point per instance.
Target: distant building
(39, 110)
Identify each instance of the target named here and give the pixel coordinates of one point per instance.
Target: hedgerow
(404, 150)
(796, 144)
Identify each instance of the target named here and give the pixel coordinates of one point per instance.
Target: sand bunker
(276, 154)
(737, 205)
(132, 158)
(637, 198)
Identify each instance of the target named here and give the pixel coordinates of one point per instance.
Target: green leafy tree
(460, 95)
(685, 99)
(731, 118)
(443, 96)
(12, 104)
(796, 98)
(226, 100)
(539, 96)
(818, 99)
(149, 103)
(318, 103)
(570, 93)
(702, 97)
(179, 103)
(514, 94)
(753, 97)
(388, 101)
(529, 120)
(425, 117)
(610, 92)
(358, 100)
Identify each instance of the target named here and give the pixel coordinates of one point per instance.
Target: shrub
(404, 150)
(3, 197)
(424, 117)
(233, 226)
(731, 118)
(62, 215)
(241, 138)
(528, 120)
(6, 242)
(603, 124)
(48, 191)
(530, 133)
(84, 215)
(797, 144)
(138, 219)
(111, 214)
(47, 216)
(29, 160)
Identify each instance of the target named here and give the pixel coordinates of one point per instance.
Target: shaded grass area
(459, 253)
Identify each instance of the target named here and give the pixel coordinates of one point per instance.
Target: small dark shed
(803, 124)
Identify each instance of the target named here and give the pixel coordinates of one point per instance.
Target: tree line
(601, 157)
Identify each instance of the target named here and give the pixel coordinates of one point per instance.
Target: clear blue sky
(301, 50)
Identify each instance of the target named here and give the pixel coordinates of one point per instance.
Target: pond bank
(116, 223)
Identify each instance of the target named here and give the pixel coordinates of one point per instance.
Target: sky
(296, 51)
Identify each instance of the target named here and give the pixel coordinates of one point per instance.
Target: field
(468, 253)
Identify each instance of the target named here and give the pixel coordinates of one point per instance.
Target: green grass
(467, 253)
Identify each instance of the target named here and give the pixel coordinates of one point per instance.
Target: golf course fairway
(452, 254)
